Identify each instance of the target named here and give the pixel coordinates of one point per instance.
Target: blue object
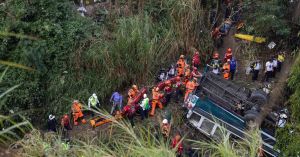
(233, 65)
(220, 113)
(116, 97)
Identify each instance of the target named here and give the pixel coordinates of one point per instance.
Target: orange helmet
(216, 55)
(177, 78)
(181, 56)
(229, 50)
(135, 87)
(156, 89)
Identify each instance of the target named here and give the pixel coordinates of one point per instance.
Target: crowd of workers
(180, 80)
(184, 82)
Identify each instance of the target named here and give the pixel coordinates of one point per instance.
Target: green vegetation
(11, 130)
(289, 136)
(74, 56)
(267, 18)
(226, 147)
(124, 142)
(68, 57)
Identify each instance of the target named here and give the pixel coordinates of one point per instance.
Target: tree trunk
(130, 6)
(141, 6)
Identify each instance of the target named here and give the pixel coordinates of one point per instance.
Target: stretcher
(162, 84)
(250, 38)
(100, 120)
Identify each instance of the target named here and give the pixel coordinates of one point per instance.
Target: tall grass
(120, 139)
(125, 141)
(228, 147)
(131, 53)
(13, 126)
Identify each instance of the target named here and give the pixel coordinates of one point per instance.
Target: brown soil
(5, 152)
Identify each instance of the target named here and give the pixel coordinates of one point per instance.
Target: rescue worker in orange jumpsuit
(190, 87)
(228, 55)
(180, 66)
(226, 70)
(133, 91)
(156, 96)
(187, 74)
(77, 113)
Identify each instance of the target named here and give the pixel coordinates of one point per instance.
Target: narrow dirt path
(228, 42)
(276, 96)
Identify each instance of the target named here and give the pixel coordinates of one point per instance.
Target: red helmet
(66, 116)
(177, 78)
(195, 68)
(196, 52)
(168, 82)
(229, 50)
(216, 55)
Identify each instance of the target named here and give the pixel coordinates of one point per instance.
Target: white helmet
(165, 121)
(283, 115)
(94, 95)
(51, 117)
(145, 95)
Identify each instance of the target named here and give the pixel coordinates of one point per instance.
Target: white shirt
(215, 71)
(274, 63)
(172, 71)
(281, 122)
(258, 66)
(269, 66)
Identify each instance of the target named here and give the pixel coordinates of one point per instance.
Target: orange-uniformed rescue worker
(228, 54)
(77, 113)
(156, 96)
(226, 70)
(190, 87)
(180, 66)
(187, 73)
(133, 91)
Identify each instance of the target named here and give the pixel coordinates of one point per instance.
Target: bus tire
(258, 97)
